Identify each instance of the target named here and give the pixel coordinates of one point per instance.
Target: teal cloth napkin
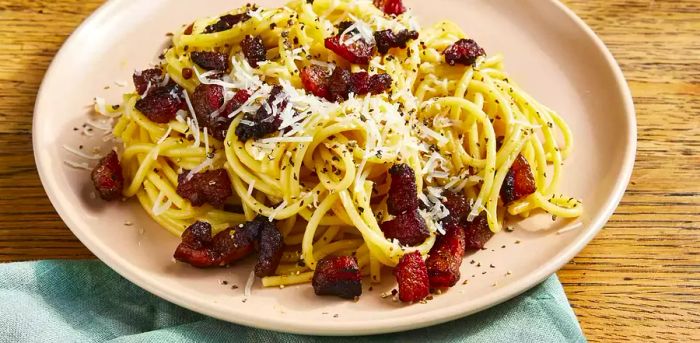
(85, 301)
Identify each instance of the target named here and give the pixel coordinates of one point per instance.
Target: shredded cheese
(194, 125)
(248, 290)
(77, 165)
(165, 136)
(81, 154)
(277, 210)
(251, 187)
(207, 162)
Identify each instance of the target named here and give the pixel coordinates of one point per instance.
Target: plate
(549, 52)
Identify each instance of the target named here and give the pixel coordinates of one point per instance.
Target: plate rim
(409, 322)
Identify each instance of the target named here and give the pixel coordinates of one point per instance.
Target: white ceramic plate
(548, 50)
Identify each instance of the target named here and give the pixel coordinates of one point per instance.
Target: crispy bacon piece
(477, 233)
(403, 194)
(412, 277)
(315, 80)
(445, 258)
(463, 51)
(195, 246)
(271, 248)
(253, 50)
(391, 7)
(339, 276)
(108, 178)
(212, 187)
(379, 83)
(519, 181)
(358, 52)
(338, 85)
(227, 22)
(359, 82)
(387, 39)
(207, 101)
(200, 249)
(220, 124)
(162, 103)
(147, 78)
(234, 244)
(458, 206)
(210, 60)
(408, 228)
(267, 118)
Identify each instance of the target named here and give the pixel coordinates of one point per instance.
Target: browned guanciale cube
(358, 52)
(253, 50)
(519, 181)
(408, 228)
(226, 22)
(339, 276)
(463, 51)
(199, 249)
(145, 79)
(387, 39)
(271, 248)
(208, 101)
(337, 86)
(391, 7)
(266, 119)
(445, 258)
(161, 103)
(210, 60)
(108, 178)
(458, 206)
(315, 80)
(403, 194)
(412, 277)
(212, 187)
(477, 233)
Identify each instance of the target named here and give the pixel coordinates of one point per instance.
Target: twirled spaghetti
(324, 177)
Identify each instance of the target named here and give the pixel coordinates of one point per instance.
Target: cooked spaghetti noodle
(323, 177)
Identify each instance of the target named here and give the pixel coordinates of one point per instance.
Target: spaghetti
(323, 175)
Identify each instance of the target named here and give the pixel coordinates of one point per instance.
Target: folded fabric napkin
(85, 301)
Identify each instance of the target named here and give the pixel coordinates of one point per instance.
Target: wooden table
(638, 280)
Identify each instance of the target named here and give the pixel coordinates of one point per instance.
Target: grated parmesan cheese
(193, 124)
(165, 136)
(165, 81)
(148, 89)
(98, 126)
(206, 141)
(180, 115)
(249, 284)
(477, 207)
(277, 210)
(207, 162)
(81, 154)
(159, 207)
(251, 187)
(100, 105)
(77, 165)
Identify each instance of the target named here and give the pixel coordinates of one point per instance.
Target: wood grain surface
(639, 280)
